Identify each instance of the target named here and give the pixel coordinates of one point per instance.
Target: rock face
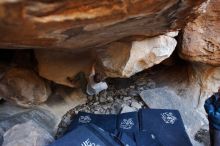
(27, 134)
(122, 59)
(208, 77)
(57, 66)
(201, 38)
(88, 23)
(23, 87)
(119, 59)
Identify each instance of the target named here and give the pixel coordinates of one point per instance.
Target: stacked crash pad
(147, 127)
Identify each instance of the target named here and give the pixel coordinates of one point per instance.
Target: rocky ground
(123, 95)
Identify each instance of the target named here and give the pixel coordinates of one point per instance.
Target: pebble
(127, 98)
(151, 85)
(97, 112)
(133, 93)
(110, 99)
(141, 89)
(96, 103)
(141, 83)
(141, 103)
(136, 105)
(126, 109)
(102, 99)
(132, 87)
(90, 98)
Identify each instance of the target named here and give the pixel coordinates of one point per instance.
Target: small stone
(123, 92)
(110, 98)
(96, 98)
(101, 110)
(102, 99)
(127, 98)
(141, 103)
(116, 108)
(151, 85)
(67, 120)
(132, 87)
(141, 83)
(90, 98)
(105, 107)
(136, 105)
(140, 88)
(96, 112)
(133, 93)
(128, 102)
(107, 111)
(96, 103)
(126, 109)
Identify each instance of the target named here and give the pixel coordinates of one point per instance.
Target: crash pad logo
(89, 143)
(127, 123)
(84, 119)
(168, 118)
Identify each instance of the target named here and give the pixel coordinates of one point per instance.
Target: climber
(212, 107)
(95, 82)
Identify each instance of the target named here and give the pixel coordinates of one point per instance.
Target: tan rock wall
(58, 66)
(23, 87)
(89, 23)
(122, 59)
(201, 38)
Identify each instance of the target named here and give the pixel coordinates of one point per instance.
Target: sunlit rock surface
(58, 66)
(85, 24)
(201, 37)
(23, 87)
(208, 77)
(123, 59)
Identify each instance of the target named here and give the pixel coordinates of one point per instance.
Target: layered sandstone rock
(208, 77)
(89, 23)
(58, 66)
(118, 59)
(122, 59)
(201, 38)
(23, 87)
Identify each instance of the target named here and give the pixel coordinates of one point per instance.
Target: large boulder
(27, 134)
(58, 66)
(23, 87)
(118, 59)
(78, 25)
(167, 98)
(208, 77)
(43, 118)
(122, 59)
(202, 36)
